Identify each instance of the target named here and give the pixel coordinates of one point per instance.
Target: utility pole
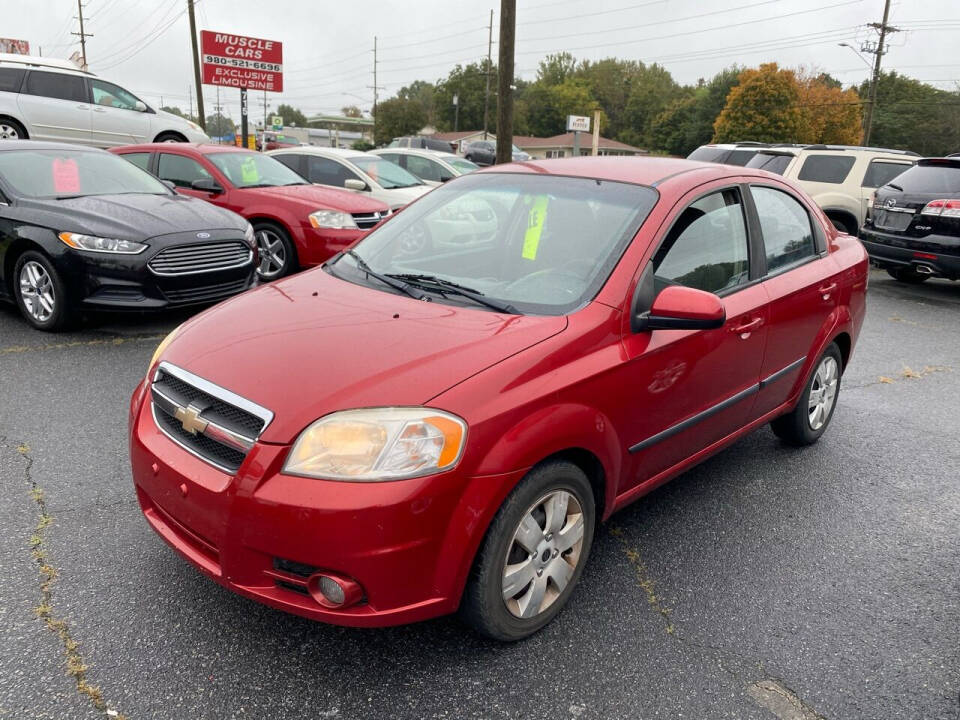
(201, 118)
(82, 35)
(878, 50)
(456, 111)
(486, 94)
(375, 88)
(190, 100)
(508, 22)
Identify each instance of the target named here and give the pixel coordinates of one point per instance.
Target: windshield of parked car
(771, 163)
(252, 170)
(462, 165)
(543, 244)
(384, 172)
(73, 173)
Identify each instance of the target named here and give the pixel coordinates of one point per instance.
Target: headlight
(163, 346)
(332, 219)
(378, 444)
(249, 237)
(99, 244)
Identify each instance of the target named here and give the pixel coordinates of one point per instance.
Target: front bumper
(939, 253)
(409, 544)
(320, 244)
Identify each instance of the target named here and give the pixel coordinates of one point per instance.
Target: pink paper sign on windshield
(66, 176)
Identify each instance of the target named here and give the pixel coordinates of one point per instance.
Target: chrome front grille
(193, 259)
(205, 419)
(365, 221)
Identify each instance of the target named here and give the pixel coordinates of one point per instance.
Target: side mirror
(354, 184)
(207, 185)
(681, 308)
(141, 106)
(445, 178)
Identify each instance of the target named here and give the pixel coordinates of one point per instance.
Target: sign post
(577, 124)
(243, 116)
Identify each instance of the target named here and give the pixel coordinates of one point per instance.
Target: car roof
(8, 145)
(42, 62)
(344, 153)
(638, 169)
(424, 152)
(201, 148)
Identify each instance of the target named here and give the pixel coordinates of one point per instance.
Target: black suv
(913, 229)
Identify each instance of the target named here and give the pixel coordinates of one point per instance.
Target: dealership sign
(578, 123)
(242, 62)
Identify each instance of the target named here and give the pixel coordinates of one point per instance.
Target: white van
(47, 99)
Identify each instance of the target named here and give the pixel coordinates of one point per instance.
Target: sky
(328, 60)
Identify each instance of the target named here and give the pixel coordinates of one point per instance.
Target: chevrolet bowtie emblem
(190, 418)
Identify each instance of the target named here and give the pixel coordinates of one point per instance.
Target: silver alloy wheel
(543, 554)
(36, 290)
(413, 241)
(823, 392)
(8, 132)
(273, 254)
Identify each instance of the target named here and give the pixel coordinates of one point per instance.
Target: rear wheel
(907, 275)
(12, 130)
(814, 410)
(170, 137)
(40, 292)
(277, 256)
(844, 225)
(533, 554)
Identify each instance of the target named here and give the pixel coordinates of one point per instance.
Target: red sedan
(449, 428)
(297, 225)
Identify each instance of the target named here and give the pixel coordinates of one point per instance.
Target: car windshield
(74, 173)
(384, 172)
(461, 165)
(543, 244)
(769, 162)
(251, 169)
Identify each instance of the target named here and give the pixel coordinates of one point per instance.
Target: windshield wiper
(895, 186)
(258, 185)
(396, 283)
(448, 287)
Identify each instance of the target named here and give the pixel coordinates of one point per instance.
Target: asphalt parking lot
(768, 582)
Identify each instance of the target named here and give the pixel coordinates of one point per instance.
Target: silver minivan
(48, 99)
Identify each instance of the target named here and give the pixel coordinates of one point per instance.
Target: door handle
(748, 327)
(82, 107)
(99, 109)
(826, 290)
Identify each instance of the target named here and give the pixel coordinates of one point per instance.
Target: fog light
(333, 591)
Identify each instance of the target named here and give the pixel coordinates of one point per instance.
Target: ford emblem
(203, 236)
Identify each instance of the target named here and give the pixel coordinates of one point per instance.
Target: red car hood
(312, 344)
(317, 196)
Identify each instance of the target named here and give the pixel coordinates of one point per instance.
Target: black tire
(275, 232)
(10, 129)
(796, 428)
(483, 606)
(843, 226)
(62, 315)
(907, 275)
(170, 137)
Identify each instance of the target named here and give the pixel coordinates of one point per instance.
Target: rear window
(880, 173)
(826, 168)
(708, 154)
(931, 179)
(57, 86)
(740, 157)
(771, 163)
(11, 79)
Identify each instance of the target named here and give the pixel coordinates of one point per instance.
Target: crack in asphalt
(770, 691)
(76, 668)
(118, 340)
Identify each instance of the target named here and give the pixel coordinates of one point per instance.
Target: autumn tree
(831, 115)
(351, 111)
(764, 106)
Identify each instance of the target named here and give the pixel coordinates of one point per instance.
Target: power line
(147, 21)
(144, 45)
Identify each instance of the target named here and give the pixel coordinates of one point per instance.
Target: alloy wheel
(823, 392)
(543, 554)
(273, 254)
(36, 291)
(8, 132)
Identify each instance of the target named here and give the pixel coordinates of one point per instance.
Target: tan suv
(839, 178)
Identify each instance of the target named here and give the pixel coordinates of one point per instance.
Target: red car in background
(620, 320)
(297, 224)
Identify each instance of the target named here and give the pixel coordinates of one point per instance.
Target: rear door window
(826, 168)
(328, 172)
(785, 224)
(11, 79)
(56, 85)
(880, 172)
(180, 170)
(424, 169)
(294, 162)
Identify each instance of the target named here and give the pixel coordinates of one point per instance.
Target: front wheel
(40, 293)
(814, 410)
(277, 256)
(533, 554)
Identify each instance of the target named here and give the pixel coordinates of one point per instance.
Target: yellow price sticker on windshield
(531, 240)
(248, 172)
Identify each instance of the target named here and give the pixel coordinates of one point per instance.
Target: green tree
(911, 115)
(351, 111)
(174, 110)
(219, 125)
(292, 116)
(610, 81)
(398, 116)
(557, 68)
(546, 106)
(469, 84)
(676, 130)
(764, 106)
(652, 89)
(421, 92)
